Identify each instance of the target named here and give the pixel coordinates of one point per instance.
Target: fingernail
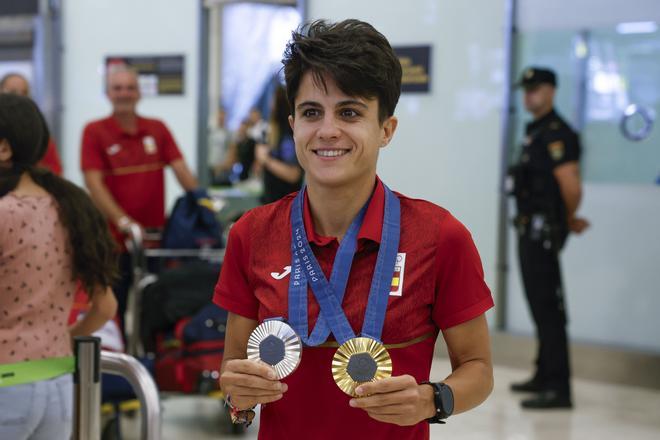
(285, 387)
(352, 403)
(359, 390)
(272, 375)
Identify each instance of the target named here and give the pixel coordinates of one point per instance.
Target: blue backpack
(193, 223)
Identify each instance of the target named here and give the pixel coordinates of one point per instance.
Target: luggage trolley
(142, 278)
(187, 356)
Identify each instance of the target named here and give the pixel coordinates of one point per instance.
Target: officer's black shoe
(548, 399)
(529, 386)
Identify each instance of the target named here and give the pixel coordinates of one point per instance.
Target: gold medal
(277, 344)
(360, 360)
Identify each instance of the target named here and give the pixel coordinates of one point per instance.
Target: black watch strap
(443, 397)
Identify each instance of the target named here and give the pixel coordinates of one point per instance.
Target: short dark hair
(353, 53)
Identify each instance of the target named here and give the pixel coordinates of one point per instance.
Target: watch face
(447, 397)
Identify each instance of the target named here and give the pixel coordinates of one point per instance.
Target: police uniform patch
(556, 150)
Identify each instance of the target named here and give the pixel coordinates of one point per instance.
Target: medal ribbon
(305, 270)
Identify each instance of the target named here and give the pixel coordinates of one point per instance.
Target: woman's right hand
(250, 383)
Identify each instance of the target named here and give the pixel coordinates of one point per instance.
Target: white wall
(94, 29)
(446, 148)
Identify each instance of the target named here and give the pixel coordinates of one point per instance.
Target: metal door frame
(207, 65)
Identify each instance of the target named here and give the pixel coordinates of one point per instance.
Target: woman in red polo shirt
(400, 270)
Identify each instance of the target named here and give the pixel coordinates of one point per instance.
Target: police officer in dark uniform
(547, 188)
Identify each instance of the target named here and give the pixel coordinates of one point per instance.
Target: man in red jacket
(123, 158)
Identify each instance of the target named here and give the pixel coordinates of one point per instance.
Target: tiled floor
(602, 412)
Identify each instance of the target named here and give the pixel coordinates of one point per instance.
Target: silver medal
(277, 344)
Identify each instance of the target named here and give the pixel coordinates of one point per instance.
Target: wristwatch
(443, 397)
(238, 416)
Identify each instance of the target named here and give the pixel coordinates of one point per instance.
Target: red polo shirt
(441, 285)
(132, 165)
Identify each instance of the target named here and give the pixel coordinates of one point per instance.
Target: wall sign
(416, 65)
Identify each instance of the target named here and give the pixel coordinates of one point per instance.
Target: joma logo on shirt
(279, 276)
(396, 288)
(113, 149)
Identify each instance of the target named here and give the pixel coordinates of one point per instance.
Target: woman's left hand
(399, 400)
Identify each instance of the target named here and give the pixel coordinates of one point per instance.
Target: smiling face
(123, 91)
(337, 136)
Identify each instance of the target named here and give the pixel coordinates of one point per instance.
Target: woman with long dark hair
(51, 238)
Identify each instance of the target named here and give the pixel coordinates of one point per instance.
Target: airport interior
(207, 79)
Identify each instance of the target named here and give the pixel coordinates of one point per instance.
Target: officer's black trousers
(541, 276)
